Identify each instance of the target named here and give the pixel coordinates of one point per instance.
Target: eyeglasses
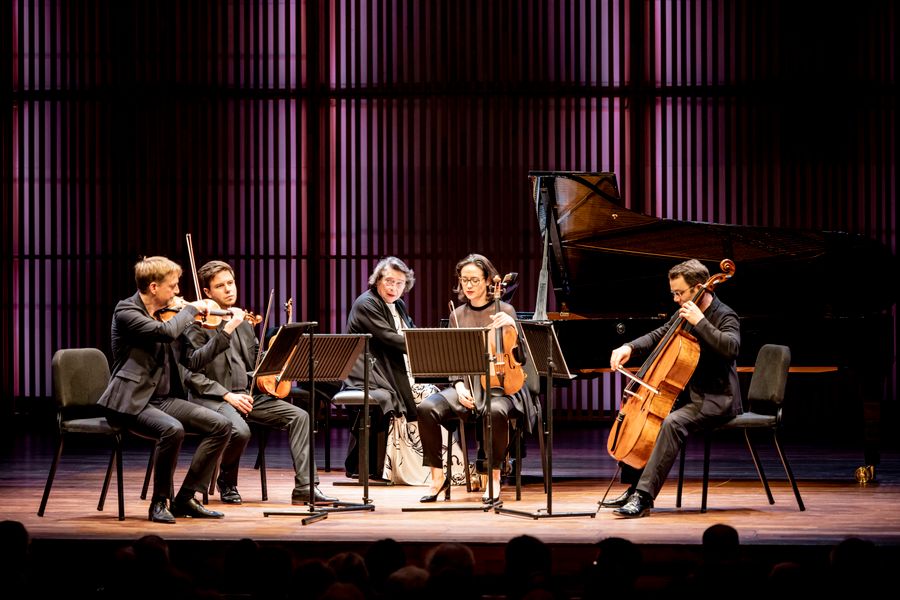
(680, 293)
(473, 281)
(393, 283)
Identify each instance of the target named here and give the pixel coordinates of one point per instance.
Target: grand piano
(826, 295)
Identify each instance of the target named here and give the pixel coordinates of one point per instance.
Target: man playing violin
(148, 386)
(713, 393)
(230, 369)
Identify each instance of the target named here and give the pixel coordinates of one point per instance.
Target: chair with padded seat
(80, 376)
(765, 401)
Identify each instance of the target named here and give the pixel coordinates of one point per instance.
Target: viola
(506, 371)
(652, 391)
(267, 383)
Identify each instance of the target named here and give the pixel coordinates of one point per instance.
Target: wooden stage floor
(836, 506)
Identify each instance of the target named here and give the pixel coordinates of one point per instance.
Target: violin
(506, 371)
(214, 316)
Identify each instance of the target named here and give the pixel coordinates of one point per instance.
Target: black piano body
(804, 289)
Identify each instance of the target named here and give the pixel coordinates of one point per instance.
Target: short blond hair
(153, 269)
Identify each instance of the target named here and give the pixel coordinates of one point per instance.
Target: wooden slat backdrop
(303, 141)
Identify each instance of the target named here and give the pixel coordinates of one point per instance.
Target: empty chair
(80, 375)
(765, 401)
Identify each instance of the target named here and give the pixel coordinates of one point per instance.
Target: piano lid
(607, 259)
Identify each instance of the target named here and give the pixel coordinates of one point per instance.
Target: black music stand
(298, 354)
(442, 352)
(543, 348)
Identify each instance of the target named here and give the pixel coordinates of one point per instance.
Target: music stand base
(360, 484)
(319, 512)
(310, 516)
(542, 513)
(480, 506)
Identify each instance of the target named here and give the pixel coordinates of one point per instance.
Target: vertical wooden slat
(439, 111)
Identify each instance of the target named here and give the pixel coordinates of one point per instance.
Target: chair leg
(327, 424)
(707, 446)
(680, 475)
(106, 479)
(759, 467)
(120, 479)
(151, 462)
(542, 448)
(449, 464)
(787, 470)
(211, 490)
(263, 441)
(51, 475)
(465, 452)
(517, 440)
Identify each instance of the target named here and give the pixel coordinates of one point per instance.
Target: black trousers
(436, 410)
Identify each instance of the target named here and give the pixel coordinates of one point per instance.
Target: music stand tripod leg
(429, 340)
(363, 449)
(343, 351)
(548, 511)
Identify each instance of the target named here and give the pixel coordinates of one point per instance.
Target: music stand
(442, 352)
(324, 357)
(549, 362)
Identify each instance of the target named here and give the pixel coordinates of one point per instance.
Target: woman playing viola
(465, 397)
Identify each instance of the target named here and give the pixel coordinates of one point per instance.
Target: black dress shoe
(192, 508)
(638, 505)
(302, 497)
(229, 494)
(433, 497)
(159, 512)
(618, 501)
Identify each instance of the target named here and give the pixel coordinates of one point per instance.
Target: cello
(649, 396)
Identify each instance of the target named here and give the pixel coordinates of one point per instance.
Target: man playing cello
(712, 395)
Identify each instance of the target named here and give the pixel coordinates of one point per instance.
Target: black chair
(80, 376)
(355, 398)
(765, 401)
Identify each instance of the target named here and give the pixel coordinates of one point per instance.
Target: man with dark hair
(233, 398)
(712, 395)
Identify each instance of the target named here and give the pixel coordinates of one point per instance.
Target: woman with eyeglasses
(465, 397)
(381, 312)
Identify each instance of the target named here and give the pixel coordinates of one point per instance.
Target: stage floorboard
(836, 505)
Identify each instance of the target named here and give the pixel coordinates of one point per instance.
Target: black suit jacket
(139, 343)
(370, 314)
(208, 351)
